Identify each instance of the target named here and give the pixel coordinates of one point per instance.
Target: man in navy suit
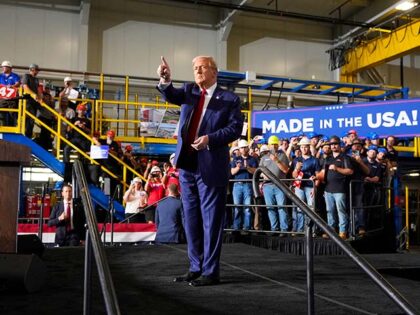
(210, 119)
(69, 218)
(169, 218)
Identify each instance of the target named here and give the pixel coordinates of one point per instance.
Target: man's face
(284, 145)
(274, 147)
(371, 154)
(7, 70)
(326, 149)
(204, 74)
(305, 149)
(335, 147)
(244, 151)
(352, 136)
(66, 193)
(33, 72)
(390, 141)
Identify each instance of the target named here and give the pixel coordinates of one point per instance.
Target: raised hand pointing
(163, 71)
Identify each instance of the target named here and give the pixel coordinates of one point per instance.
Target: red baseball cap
(154, 163)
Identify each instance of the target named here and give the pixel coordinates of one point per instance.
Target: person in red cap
(75, 137)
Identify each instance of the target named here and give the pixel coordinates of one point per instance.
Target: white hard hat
(242, 143)
(136, 180)
(264, 148)
(6, 63)
(155, 169)
(67, 79)
(304, 141)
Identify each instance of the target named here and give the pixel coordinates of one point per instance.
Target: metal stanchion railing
(366, 207)
(104, 273)
(286, 206)
(384, 285)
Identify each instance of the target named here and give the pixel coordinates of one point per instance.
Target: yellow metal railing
(62, 121)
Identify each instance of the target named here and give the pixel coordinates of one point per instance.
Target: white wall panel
(286, 57)
(139, 45)
(49, 38)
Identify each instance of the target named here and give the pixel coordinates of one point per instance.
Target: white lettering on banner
(288, 126)
(388, 119)
(7, 92)
(325, 123)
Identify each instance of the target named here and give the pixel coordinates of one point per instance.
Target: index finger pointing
(163, 61)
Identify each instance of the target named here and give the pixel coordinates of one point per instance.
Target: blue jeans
(336, 204)
(274, 196)
(298, 216)
(242, 195)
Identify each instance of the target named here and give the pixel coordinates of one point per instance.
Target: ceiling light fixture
(414, 174)
(405, 5)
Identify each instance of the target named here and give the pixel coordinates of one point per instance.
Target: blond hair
(210, 60)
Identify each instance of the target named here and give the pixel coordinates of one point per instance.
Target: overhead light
(414, 174)
(405, 5)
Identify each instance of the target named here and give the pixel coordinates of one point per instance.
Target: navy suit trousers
(204, 215)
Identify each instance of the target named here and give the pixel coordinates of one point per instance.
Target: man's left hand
(201, 143)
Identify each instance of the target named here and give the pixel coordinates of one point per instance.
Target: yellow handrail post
(126, 105)
(407, 223)
(136, 115)
(58, 142)
(249, 113)
(101, 87)
(23, 117)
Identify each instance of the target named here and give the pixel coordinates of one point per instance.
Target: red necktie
(195, 119)
(68, 214)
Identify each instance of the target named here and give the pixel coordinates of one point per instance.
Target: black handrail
(94, 240)
(358, 259)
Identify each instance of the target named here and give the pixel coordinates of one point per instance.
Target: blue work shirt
(10, 79)
(243, 173)
(310, 166)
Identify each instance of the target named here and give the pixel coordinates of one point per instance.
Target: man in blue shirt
(242, 167)
(11, 80)
(304, 167)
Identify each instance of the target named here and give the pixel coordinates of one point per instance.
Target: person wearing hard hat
(278, 163)
(304, 167)
(30, 83)
(156, 191)
(75, 136)
(136, 199)
(242, 168)
(10, 80)
(65, 92)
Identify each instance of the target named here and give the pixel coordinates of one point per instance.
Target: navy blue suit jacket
(222, 122)
(169, 221)
(78, 221)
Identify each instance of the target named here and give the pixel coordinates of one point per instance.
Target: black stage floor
(254, 281)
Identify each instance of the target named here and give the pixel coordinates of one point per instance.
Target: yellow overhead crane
(388, 46)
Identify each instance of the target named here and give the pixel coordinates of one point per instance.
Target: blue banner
(398, 118)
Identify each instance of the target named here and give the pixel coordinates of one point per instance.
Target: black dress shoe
(188, 277)
(204, 281)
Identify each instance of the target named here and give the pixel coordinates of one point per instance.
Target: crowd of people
(321, 171)
(318, 168)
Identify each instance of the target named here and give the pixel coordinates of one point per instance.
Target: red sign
(7, 92)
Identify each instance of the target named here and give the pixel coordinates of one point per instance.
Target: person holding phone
(136, 199)
(156, 191)
(242, 167)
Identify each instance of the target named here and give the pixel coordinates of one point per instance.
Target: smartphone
(355, 152)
